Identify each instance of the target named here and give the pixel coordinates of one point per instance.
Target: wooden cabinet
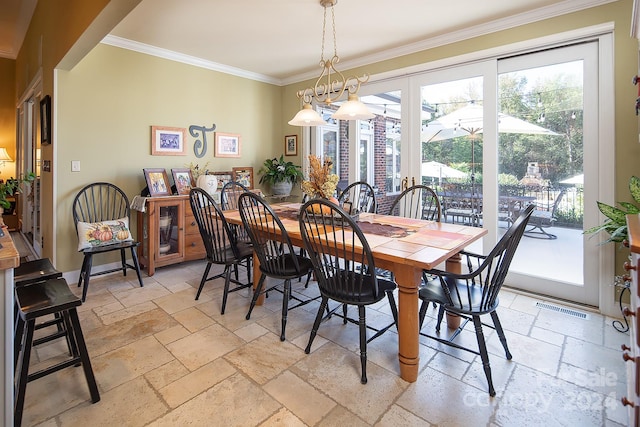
(631, 351)
(11, 216)
(168, 233)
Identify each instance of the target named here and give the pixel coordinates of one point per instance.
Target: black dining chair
(361, 196)
(275, 252)
(229, 196)
(101, 215)
(418, 202)
(473, 294)
(220, 243)
(342, 261)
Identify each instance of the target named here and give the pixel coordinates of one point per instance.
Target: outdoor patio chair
(471, 295)
(339, 250)
(544, 217)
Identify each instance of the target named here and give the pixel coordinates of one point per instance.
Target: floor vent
(563, 310)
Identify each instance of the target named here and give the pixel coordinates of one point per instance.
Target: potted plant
(615, 224)
(11, 186)
(280, 175)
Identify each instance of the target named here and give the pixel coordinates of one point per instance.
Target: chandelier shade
(307, 117)
(331, 85)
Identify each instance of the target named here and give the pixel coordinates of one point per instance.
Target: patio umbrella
(468, 121)
(439, 170)
(574, 180)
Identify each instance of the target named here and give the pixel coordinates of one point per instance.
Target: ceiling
(279, 41)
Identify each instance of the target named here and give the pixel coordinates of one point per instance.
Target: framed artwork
(291, 145)
(244, 176)
(223, 178)
(157, 181)
(227, 145)
(183, 180)
(166, 141)
(45, 120)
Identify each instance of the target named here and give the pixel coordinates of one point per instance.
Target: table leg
(454, 265)
(408, 344)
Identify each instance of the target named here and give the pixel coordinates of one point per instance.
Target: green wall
(108, 103)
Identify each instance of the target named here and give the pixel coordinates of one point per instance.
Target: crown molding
(551, 11)
(187, 59)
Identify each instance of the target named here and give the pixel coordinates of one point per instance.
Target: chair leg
(482, 346)
(134, 258)
(503, 339)
(440, 316)
(84, 356)
(285, 307)
(123, 261)
(70, 335)
(82, 270)
(422, 313)
(17, 340)
(87, 276)
(22, 373)
(362, 322)
(227, 280)
(203, 280)
(256, 294)
(316, 323)
(344, 313)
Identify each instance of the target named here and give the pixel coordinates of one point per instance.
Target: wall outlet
(75, 165)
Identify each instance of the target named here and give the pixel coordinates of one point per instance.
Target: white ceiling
(279, 41)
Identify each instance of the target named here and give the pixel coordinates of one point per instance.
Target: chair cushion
(365, 296)
(468, 302)
(93, 234)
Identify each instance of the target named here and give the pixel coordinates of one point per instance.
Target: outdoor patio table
(404, 246)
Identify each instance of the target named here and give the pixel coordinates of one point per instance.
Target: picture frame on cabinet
(182, 179)
(168, 141)
(223, 178)
(157, 181)
(244, 176)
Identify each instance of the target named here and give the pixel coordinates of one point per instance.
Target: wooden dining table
(405, 247)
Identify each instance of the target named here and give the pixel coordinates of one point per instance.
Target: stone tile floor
(163, 359)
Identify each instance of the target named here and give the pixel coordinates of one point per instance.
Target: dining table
(404, 246)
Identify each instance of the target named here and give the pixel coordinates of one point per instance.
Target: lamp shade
(307, 117)
(4, 156)
(353, 109)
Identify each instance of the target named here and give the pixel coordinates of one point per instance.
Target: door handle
(405, 183)
(413, 181)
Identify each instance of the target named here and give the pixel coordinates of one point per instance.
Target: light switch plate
(75, 165)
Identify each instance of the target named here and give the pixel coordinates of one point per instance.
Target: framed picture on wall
(291, 145)
(168, 141)
(244, 176)
(182, 180)
(227, 145)
(45, 120)
(157, 181)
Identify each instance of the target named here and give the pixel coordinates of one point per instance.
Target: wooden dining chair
(220, 243)
(101, 215)
(342, 261)
(473, 294)
(275, 252)
(361, 196)
(418, 202)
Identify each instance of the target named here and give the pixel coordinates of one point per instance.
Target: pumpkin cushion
(92, 234)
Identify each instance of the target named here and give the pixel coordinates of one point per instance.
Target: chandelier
(331, 85)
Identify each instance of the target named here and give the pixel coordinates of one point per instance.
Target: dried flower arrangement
(321, 182)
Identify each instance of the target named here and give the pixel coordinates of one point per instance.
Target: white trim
(186, 59)
(499, 51)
